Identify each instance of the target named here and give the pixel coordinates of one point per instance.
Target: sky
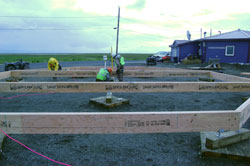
(87, 26)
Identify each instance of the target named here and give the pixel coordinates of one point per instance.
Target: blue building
(230, 47)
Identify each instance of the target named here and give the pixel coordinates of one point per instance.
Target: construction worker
(104, 74)
(119, 61)
(53, 64)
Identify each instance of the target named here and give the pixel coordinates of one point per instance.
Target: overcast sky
(86, 26)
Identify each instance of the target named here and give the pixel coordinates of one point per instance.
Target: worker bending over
(119, 62)
(104, 74)
(53, 64)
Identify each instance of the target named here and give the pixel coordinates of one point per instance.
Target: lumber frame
(149, 68)
(93, 73)
(118, 122)
(136, 122)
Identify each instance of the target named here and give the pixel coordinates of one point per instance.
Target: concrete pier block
(213, 141)
(109, 102)
(239, 151)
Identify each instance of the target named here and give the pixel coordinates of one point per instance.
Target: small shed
(230, 47)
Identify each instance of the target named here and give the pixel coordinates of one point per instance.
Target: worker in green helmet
(120, 62)
(104, 74)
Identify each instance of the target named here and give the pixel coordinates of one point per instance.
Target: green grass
(37, 58)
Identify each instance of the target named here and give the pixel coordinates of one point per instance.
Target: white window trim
(230, 54)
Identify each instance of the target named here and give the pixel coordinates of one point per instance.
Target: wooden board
(150, 68)
(228, 78)
(245, 112)
(245, 73)
(118, 122)
(125, 86)
(4, 75)
(93, 73)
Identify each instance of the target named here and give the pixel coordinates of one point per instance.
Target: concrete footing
(239, 151)
(109, 102)
(216, 141)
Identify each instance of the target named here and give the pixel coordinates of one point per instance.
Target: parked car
(151, 60)
(21, 65)
(162, 56)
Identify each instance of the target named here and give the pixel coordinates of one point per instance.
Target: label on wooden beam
(125, 87)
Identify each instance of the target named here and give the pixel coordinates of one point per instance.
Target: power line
(59, 17)
(47, 29)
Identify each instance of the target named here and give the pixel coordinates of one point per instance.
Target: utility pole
(117, 35)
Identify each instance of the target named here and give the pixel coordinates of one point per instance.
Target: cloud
(87, 26)
(233, 22)
(138, 5)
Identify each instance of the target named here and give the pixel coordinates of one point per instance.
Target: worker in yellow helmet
(104, 75)
(53, 64)
(120, 62)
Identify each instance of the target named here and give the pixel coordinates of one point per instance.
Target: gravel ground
(118, 149)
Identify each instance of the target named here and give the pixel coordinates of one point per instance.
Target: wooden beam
(47, 73)
(4, 75)
(244, 109)
(150, 68)
(245, 73)
(228, 78)
(118, 122)
(125, 86)
(93, 73)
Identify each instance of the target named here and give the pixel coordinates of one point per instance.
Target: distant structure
(205, 34)
(230, 47)
(188, 35)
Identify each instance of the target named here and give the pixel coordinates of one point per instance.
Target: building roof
(238, 34)
(178, 42)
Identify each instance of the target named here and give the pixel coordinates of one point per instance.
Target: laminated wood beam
(245, 112)
(125, 86)
(92, 73)
(4, 75)
(118, 122)
(126, 68)
(245, 73)
(228, 78)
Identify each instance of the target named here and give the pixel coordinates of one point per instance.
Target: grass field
(36, 58)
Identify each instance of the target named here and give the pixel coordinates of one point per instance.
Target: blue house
(230, 47)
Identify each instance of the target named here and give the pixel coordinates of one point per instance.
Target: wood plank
(93, 73)
(4, 75)
(120, 122)
(245, 112)
(228, 78)
(124, 86)
(126, 68)
(245, 73)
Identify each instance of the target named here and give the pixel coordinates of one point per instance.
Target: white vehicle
(162, 56)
